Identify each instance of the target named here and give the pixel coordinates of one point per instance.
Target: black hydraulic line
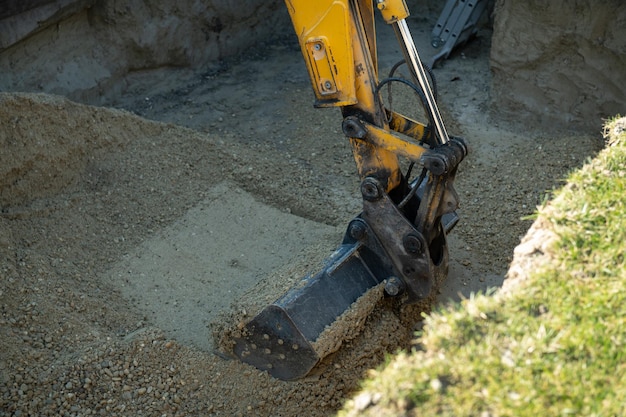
(417, 91)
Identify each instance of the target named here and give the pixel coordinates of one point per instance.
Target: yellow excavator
(398, 242)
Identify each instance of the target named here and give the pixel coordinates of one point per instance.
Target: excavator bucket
(289, 337)
(286, 338)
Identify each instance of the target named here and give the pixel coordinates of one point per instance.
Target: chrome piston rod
(419, 74)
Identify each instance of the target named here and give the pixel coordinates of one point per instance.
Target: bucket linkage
(381, 246)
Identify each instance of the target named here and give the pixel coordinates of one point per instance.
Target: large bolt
(353, 128)
(370, 189)
(357, 230)
(412, 243)
(437, 164)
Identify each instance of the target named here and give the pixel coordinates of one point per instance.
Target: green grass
(555, 344)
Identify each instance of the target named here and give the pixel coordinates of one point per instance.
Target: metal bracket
(405, 246)
(456, 24)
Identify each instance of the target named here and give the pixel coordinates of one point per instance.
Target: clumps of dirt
(47, 142)
(373, 310)
(349, 324)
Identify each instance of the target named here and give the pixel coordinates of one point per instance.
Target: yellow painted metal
(392, 10)
(338, 43)
(365, 69)
(406, 126)
(371, 159)
(323, 30)
(392, 142)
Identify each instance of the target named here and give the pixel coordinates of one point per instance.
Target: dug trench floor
(110, 281)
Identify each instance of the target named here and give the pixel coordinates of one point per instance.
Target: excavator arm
(398, 242)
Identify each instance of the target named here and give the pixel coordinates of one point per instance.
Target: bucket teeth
(274, 344)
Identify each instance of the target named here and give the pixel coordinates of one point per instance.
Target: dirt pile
(47, 143)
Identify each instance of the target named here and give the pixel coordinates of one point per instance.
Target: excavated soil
(123, 238)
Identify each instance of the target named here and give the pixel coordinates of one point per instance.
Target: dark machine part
(457, 24)
(381, 245)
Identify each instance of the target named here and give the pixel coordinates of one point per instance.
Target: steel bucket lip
(273, 343)
(281, 338)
